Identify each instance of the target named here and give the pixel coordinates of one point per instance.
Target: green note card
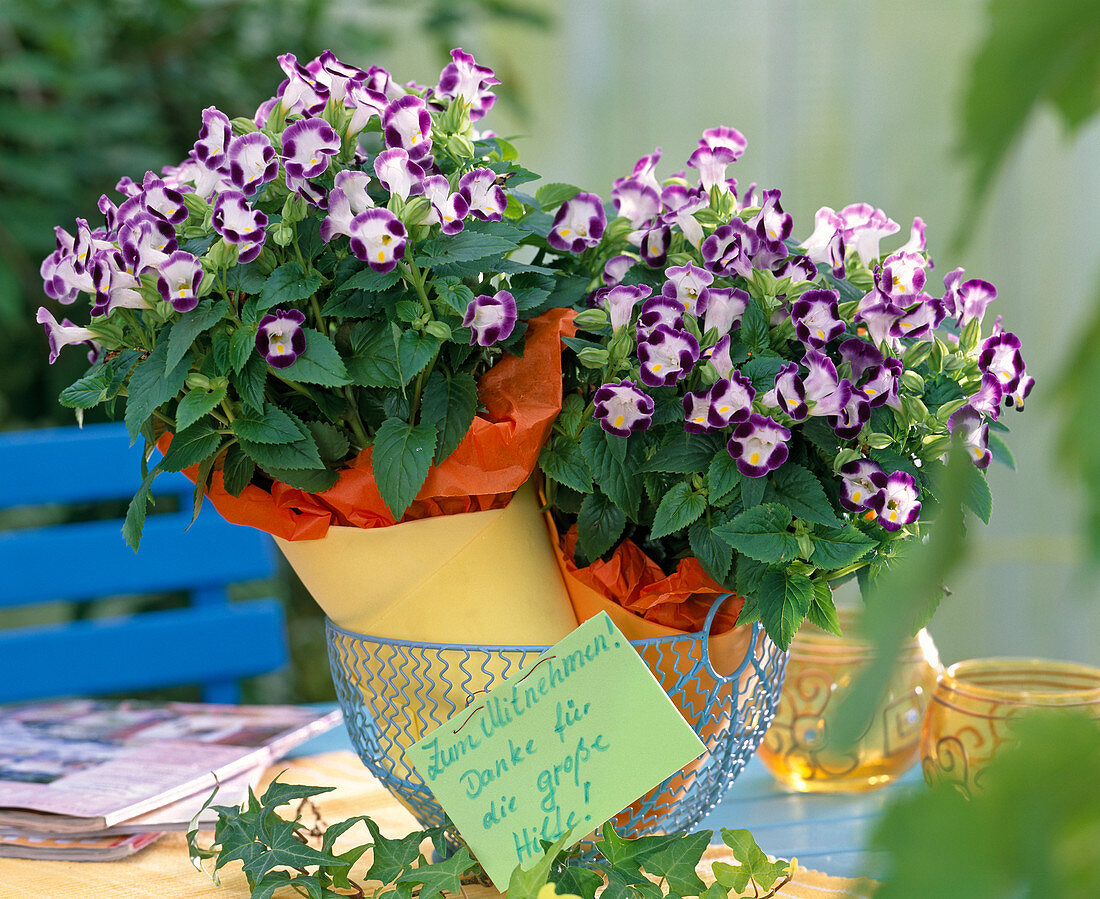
(566, 742)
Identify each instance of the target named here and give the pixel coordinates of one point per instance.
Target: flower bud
(912, 381)
(415, 211)
(970, 336)
(243, 125)
(879, 441)
(948, 409)
(438, 329)
(916, 354)
(590, 357)
(936, 445)
(845, 456)
(196, 205)
(914, 408)
(590, 319)
(460, 146)
(295, 209)
(281, 233)
(221, 254)
(195, 381)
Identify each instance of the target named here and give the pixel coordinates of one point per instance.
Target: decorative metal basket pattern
(393, 692)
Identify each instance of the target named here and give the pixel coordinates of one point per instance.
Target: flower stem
(353, 419)
(293, 385)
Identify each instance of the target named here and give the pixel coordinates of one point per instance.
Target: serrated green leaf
(976, 494)
(892, 461)
(246, 278)
(755, 332)
(466, 246)
(562, 460)
(332, 443)
(89, 391)
(722, 476)
(374, 360)
(822, 611)
(449, 403)
(784, 599)
(761, 533)
(285, 286)
(197, 403)
(370, 281)
(713, 553)
(271, 425)
(242, 344)
(298, 455)
(677, 509)
(190, 325)
(800, 491)
(752, 491)
(613, 462)
(762, 371)
(134, 522)
(151, 385)
(551, 196)
(685, 454)
(414, 352)
(190, 447)
(237, 470)
(454, 293)
(250, 381)
(599, 524)
(401, 459)
(838, 548)
(311, 480)
(319, 364)
(1001, 452)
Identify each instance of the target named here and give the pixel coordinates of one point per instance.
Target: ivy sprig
(285, 854)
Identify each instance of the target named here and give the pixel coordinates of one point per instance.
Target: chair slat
(142, 652)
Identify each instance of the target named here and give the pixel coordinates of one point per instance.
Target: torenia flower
(178, 280)
(463, 77)
(346, 200)
(307, 146)
(724, 137)
(968, 423)
(902, 276)
(1001, 357)
(788, 393)
(816, 318)
(659, 310)
(161, 200)
(407, 124)
(847, 423)
(620, 300)
(448, 209)
(856, 486)
(398, 174)
(653, 244)
(864, 228)
(681, 203)
(729, 250)
(645, 171)
(61, 335)
(114, 286)
(822, 392)
(365, 104)
(280, 338)
(724, 402)
(966, 300)
(712, 163)
(214, 137)
(579, 224)
(725, 307)
(916, 242)
(377, 237)
(301, 92)
(687, 285)
(252, 161)
(771, 222)
(616, 268)
(667, 356)
(491, 319)
(146, 242)
(758, 445)
(989, 396)
(622, 408)
(485, 198)
(239, 224)
(896, 501)
(637, 201)
(720, 359)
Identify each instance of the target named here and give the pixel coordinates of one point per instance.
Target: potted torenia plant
(318, 316)
(755, 414)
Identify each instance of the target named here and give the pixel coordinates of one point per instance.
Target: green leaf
(237, 470)
(414, 352)
(300, 454)
(272, 425)
(197, 403)
(466, 246)
(449, 403)
(713, 553)
(756, 333)
(752, 491)
(311, 480)
(685, 454)
(272, 881)
(401, 459)
(677, 509)
(762, 371)
(838, 548)
(454, 293)
(440, 877)
(319, 364)
(392, 858)
(1001, 452)
(801, 492)
(190, 325)
(677, 861)
(287, 285)
(892, 461)
(822, 611)
(332, 442)
(526, 884)
(599, 525)
(246, 278)
(614, 462)
(241, 345)
(562, 460)
(151, 385)
(784, 599)
(374, 360)
(250, 381)
(976, 494)
(370, 281)
(89, 391)
(761, 533)
(551, 196)
(722, 476)
(134, 523)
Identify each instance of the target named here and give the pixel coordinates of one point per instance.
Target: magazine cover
(98, 763)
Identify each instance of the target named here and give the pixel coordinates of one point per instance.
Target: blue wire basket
(393, 692)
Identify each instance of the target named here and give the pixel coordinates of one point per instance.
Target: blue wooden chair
(212, 642)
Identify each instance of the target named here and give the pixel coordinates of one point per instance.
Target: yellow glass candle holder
(820, 671)
(974, 702)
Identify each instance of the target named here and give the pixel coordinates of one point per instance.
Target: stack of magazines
(99, 780)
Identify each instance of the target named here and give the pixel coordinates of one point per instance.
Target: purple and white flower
(856, 486)
(463, 77)
(622, 408)
(161, 200)
(115, 287)
(178, 280)
(240, 224)
(398, 174)
(214, 137)
(448, 209)
(712, 163)
(146, 242)
(491, 319)
(902, 276)
(881, 384)
(346, 200)
(724, 137)
(728, 400)
(863, 229)
(616, 268)
(308, 145)
(825, 246)
(666, 355)
(645, 171)
(920, 318)
(407, 124)
(816, 318)
(720, 359)
(280, 338)
(758, 445)
(966, 300)
(850, 420)
(301, 92)
(916, 242)
(252, 161)
(64, 334)
(821, 392)
(654, 243)
(1001, 357)
(659, 310)
(688, 285)
(725, 307)
(798, 268)
(729, 250)
(681, 203)
(771, 222)
(989, 396)
(620, 300)
(637, 201)
(788, 393)
(377, 237)
(485, 198)
(365, 104)
(973, 430)
(579, 224)
(896, 502)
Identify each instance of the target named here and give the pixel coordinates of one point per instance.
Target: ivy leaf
(449, 403)
(271, 425)
(197, 403)
(599, 524)
(761, 533)
(440, 877)
(319, 364)
(189, 326)
(784, 599)
(401, 459)
(152, 385)
(562, 460)
(678, 508)
(414, 351)
(525, 884)
(838, 548)
(722, 476)
(287, 285)
(976, 494)
(374, 360)
(801, 492)
(614, 462)
(685, 454)
(822, 612)
(677, 860)
(551, 196)
(713, 553)
(392, 858)
(237, 470)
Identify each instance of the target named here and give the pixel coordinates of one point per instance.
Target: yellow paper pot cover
(480, 577)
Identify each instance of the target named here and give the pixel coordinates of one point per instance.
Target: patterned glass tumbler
(974, 702)
(821, 670)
